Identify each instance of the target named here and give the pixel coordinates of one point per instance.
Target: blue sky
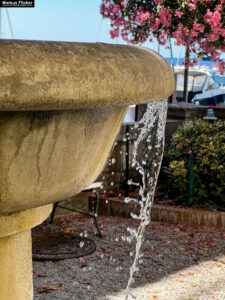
(64, 20)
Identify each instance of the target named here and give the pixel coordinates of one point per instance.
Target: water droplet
(134, 216)
(147, 223)
(129, 239)
(136, 269)
(81, 244)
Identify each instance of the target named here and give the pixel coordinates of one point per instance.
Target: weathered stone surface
(14, 223)
(50, 156)
(39, 75)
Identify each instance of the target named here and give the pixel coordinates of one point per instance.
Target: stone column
(16, 274)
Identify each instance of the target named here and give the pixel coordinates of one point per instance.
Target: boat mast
(0, 22)
(9, 22)
(10, 25)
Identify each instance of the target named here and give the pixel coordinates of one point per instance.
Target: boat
(202, 88)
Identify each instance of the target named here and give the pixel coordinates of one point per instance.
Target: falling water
(148, 153)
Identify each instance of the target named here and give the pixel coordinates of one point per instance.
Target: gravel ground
(178, 263)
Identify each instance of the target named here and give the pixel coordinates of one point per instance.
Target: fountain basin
(49, 156)
(61, 107)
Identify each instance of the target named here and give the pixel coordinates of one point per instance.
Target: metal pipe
(127, 159)
(191, 178)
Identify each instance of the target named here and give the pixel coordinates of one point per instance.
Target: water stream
(148, 153)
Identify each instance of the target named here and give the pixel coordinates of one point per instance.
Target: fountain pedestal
(16, 272)
(61, 107)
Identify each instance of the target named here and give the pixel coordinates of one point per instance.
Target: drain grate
(58, 246)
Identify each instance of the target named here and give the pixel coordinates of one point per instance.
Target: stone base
(16, 276)
(16, 267)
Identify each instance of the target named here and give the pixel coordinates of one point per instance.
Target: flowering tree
(196, 24)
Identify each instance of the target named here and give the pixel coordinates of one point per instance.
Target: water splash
(148, 153)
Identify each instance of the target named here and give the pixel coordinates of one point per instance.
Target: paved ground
(178, 263)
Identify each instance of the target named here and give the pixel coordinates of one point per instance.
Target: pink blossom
(192, 6)
(179, 14)
(142, 17)
(213, 37)
(221, 66)
(212, 19)
(165, 16)
(116, 8)
(156, 25)
(114, 33)
(200, 28)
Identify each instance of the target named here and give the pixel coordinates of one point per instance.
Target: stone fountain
(61, 107)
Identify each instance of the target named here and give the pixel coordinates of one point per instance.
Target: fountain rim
(48, 75)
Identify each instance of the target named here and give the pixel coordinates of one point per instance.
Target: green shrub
(206, 143)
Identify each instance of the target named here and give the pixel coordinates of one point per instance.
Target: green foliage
(207, 143)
